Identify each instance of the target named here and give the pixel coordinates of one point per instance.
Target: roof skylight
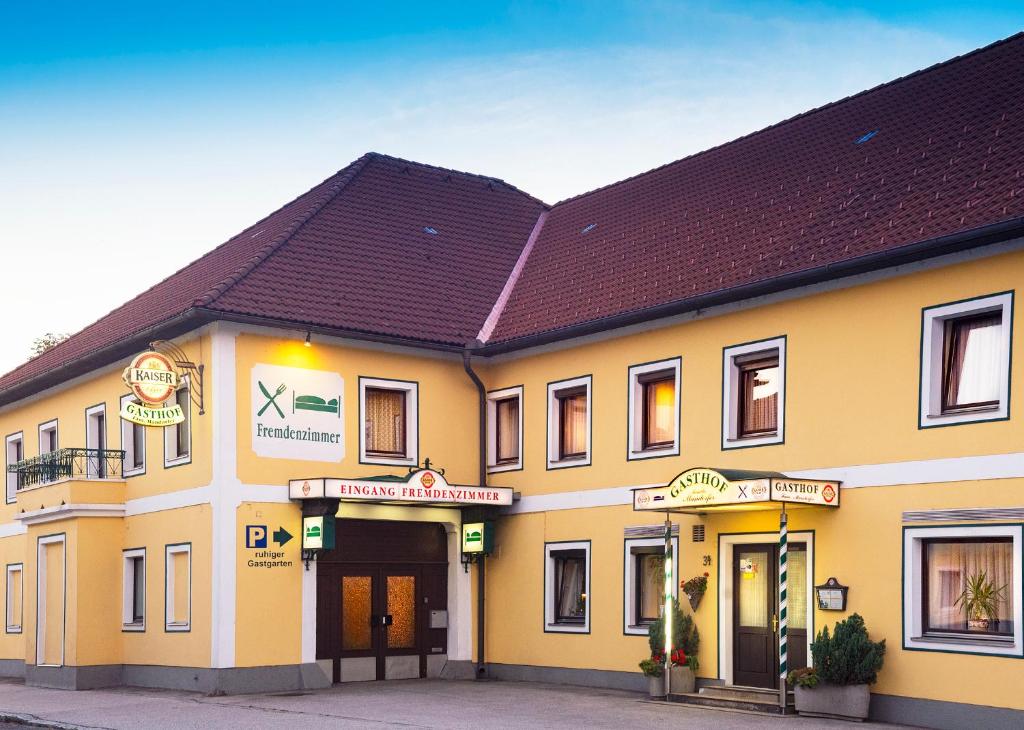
(430, 229)
(866, 137)
(589, 228)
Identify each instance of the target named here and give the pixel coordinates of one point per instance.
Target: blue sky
(136, 136)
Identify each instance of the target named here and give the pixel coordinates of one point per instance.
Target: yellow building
(815, 320)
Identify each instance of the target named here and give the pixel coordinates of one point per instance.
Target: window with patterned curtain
(957, 569)
(384, 421)
(659, 409)
(507, 430)
(572, 416)
(759, 395)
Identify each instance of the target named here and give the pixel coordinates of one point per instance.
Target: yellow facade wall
(447, 407)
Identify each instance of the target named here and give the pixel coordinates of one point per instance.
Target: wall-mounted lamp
(307, 343)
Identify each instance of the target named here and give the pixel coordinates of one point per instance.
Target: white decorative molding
(69, 511)
(1011, 514)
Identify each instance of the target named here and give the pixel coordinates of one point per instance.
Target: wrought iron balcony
(68, 464)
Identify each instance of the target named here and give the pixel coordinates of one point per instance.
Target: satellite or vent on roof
(258, 232)
(430, 230)
(589, 228)
(866, 137)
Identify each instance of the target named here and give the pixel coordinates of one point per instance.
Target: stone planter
(656, 687)
(682, 681)
(848, 702)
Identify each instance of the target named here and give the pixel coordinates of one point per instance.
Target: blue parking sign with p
(255, 536)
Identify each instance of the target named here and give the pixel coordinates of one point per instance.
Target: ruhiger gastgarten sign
(152, 379)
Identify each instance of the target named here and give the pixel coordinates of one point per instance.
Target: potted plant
(655, 673)
(980, 601)
(682, 662)
(844, 664)
(695, 589)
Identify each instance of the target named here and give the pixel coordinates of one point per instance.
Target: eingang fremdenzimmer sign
(297, 413)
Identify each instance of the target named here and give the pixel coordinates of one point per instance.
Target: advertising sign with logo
(152, 379)
(698, 489)
(425, 485)
(297, 413)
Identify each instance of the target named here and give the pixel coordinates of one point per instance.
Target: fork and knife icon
(271, 398)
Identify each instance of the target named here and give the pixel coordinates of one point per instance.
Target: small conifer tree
(847, 656)
(684, 634)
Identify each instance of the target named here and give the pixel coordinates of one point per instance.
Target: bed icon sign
(255, 536)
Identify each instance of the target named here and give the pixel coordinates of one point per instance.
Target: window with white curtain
(505, 429)
(567, 587)
(14, 452)
(644, 581)
(965, 361)
(569, 422)
(654, 409)
(754, 395)
(133, 443)
(949, 572)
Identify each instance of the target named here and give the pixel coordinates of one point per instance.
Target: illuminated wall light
(307, 343)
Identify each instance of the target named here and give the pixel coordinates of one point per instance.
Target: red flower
(706, 574)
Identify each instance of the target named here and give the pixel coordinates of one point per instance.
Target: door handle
(387, 619)
(775, 624)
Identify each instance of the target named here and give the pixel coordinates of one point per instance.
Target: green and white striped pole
(783, 606)
(668, 603)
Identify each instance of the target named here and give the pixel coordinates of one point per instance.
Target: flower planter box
(847, 702)
(656, 687)
(694, 599)
(682, 681)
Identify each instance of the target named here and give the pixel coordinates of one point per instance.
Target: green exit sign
(477, 537)
(318, 532)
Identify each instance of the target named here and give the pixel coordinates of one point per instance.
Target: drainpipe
(481, 665)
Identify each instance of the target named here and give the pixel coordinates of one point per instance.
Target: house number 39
(707, 560)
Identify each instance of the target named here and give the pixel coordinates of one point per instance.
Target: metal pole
(668, 604)
(481, 666)
(783, 605)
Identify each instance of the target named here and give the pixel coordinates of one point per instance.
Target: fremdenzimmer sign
(297, 413)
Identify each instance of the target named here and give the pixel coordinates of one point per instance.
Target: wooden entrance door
(374, 608)
(755, 613)
(755, 619)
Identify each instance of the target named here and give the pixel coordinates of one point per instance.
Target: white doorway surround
(726, 594)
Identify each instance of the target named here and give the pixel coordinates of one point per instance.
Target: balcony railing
(67, 464)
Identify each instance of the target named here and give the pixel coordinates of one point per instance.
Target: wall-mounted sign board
(831, 595)
(701, 489)
(153, 380)
(477, 538)
(318, 532)
(297, 413)
(424, 486)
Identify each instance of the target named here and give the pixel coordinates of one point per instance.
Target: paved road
(378, 705)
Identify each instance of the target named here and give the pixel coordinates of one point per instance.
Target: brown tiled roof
(947, 155)
(350, 254)
(407, 252)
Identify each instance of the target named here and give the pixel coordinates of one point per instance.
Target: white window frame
(636, 406)
(128, 443)
(18, 568)
(169, 552)
(492, 429)
(913, 629)
(633, 546)
(554, 421)
(128, 590)
(11, 479)
(549, 588)
(731, 383)
(91, 436)
(171, 432)
(933, 322)
(51, 425)
(412, 420)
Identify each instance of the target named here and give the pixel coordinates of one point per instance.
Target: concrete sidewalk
(411, 703)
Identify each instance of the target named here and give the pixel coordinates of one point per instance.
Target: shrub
(684, 635)
(848, 656)
(651, 668)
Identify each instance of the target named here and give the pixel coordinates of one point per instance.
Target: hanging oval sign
(151, 377)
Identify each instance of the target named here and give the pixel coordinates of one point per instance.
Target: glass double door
(375, 610)
(756, 613)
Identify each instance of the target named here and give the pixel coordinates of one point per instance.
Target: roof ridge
(498, 308)
(345, 176)
(801, 115)
(451, 170)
